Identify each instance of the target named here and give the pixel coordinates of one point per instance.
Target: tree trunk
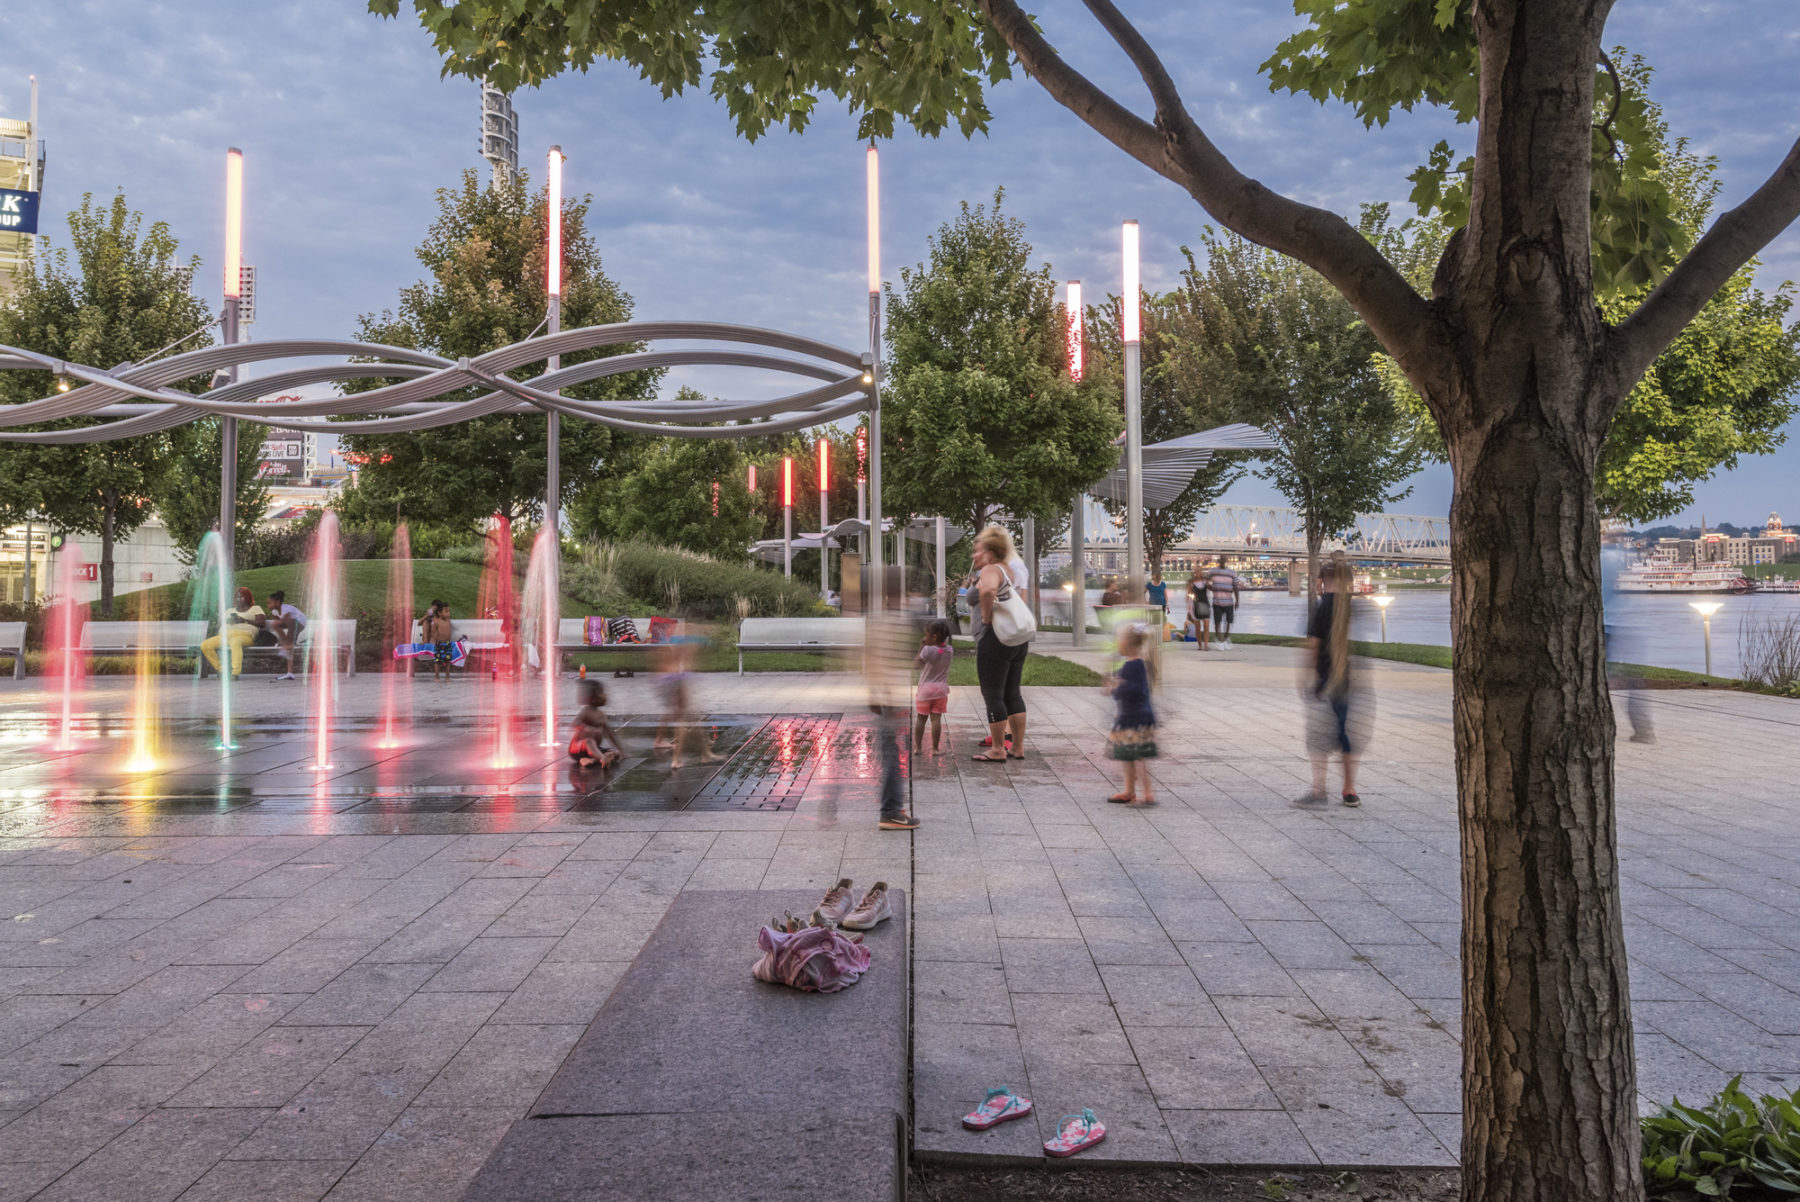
(109, 505)
(1315, 545)
(1549, 1082)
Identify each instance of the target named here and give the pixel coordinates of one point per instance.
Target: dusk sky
(347, 130)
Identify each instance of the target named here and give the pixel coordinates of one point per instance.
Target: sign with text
(18, 211)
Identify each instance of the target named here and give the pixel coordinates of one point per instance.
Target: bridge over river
(1281, 532)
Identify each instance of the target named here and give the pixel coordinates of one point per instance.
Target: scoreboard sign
(18, 211)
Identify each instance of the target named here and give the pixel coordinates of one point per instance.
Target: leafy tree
(191, 511)
(667, 498)
(485, 256)
(1511, 353)
(119, 299)
(1264, 340)
(980, 414)
(1169, 410)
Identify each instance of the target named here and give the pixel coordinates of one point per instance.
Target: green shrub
(1731, 1143)
(668, 580)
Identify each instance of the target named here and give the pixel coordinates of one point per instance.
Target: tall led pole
(787, 518)
(1134, 418)
(824, 514)
(877, 585)
(550, 580)
(1077, 531)
(234, 289)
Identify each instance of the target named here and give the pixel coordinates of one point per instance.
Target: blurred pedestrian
(1200, 610)
(887, 664)
(1133, 740)
(1336, 715)
(1224, 585)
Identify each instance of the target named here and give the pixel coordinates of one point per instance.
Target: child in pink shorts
(934, 683)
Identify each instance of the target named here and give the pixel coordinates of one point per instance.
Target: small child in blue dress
(1134, 727)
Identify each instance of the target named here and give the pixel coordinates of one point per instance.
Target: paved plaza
(272, 982)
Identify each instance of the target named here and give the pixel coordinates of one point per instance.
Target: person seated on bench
(285, 622)
(239, 628)
(588, 741)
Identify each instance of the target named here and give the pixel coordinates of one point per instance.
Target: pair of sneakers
(842, 906)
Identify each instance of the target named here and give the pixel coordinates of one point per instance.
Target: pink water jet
(323, 606)
(63, 635)
(541, 620)
(396, 683)
(497, 600)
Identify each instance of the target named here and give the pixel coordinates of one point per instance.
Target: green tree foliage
(194, 456)
(980, 414)
(667, 498)
(118, 298)
(1258, 338)
(485, 255)
(1169, 411)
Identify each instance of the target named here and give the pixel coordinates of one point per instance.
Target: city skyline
(348, 130)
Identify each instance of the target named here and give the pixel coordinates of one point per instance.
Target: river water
(1647, 628)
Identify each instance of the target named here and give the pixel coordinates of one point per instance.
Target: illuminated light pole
(1134, 417)
(234, 289)
(550, 579)
(862, 485)
(1382, 601)
(1706, 610)
(877, 588)
(824, 515)
(1077, 531)
(787, 518)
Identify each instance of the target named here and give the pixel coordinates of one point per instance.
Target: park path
(356, 1005)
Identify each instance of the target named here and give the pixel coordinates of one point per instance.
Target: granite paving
(245, 981)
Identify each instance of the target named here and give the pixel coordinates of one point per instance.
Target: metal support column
(1078, 571)
(940, 567)
(1031, 573)
(876, 582)
(1134, 472)
(228, 452)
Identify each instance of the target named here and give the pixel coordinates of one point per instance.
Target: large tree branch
(1176, 148)
(1733, 241)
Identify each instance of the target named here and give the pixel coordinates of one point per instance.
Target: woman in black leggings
(998, 667)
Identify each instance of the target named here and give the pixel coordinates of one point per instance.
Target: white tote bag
(1013, 623)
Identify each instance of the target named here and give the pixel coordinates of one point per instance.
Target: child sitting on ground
(1134, 727)
(588, 742)
(933, 698)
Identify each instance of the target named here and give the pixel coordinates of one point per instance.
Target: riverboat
(1661, 573)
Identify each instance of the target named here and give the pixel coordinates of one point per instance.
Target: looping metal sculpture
(132, 400)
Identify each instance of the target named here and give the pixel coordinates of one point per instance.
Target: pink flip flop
(998, 1107)
(1074, 1132)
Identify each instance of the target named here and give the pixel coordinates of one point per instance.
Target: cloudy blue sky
(347, 130)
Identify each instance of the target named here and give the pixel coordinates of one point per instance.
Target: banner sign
(18, 211)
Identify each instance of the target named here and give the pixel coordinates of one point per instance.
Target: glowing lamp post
(1130, 322)
(234, 289)
(787, 518)
(1077, 531)
(1382, 601)
(824, 515)
(1706, 610)
(552, 546)
(876, 592)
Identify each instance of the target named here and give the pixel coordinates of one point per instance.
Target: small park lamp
(1706, 610)
(1382, 601)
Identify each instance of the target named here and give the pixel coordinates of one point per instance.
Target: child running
(1134, 728)
(588, 742)
(933, 698)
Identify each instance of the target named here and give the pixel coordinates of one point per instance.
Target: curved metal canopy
(131, 400)
(1169, 466)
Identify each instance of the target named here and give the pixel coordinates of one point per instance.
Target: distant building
(1771, 545)
(21, 187)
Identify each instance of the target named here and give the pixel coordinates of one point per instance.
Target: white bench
(167, 637)
(12, 639)
(483, 634)
(343, 632)
(798, 634)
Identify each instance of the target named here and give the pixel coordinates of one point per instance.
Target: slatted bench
(697, 1082)
(12, 642)
(166, 637)
(798, 634)
(344, 640)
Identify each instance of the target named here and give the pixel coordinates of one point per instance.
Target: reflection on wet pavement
(764, 762)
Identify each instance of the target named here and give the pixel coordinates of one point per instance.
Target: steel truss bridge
(1276, 531)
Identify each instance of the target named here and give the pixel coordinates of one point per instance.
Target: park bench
(166, 637)
(12, 642)
(343, 632)
(483, 634)
(798, 634)
(696, 1081)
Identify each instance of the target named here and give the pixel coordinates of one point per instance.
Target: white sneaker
(839, 901)
(871, 911)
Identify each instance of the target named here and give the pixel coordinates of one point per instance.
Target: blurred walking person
(1224, 585)
(1337, 713)
(887, 665)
